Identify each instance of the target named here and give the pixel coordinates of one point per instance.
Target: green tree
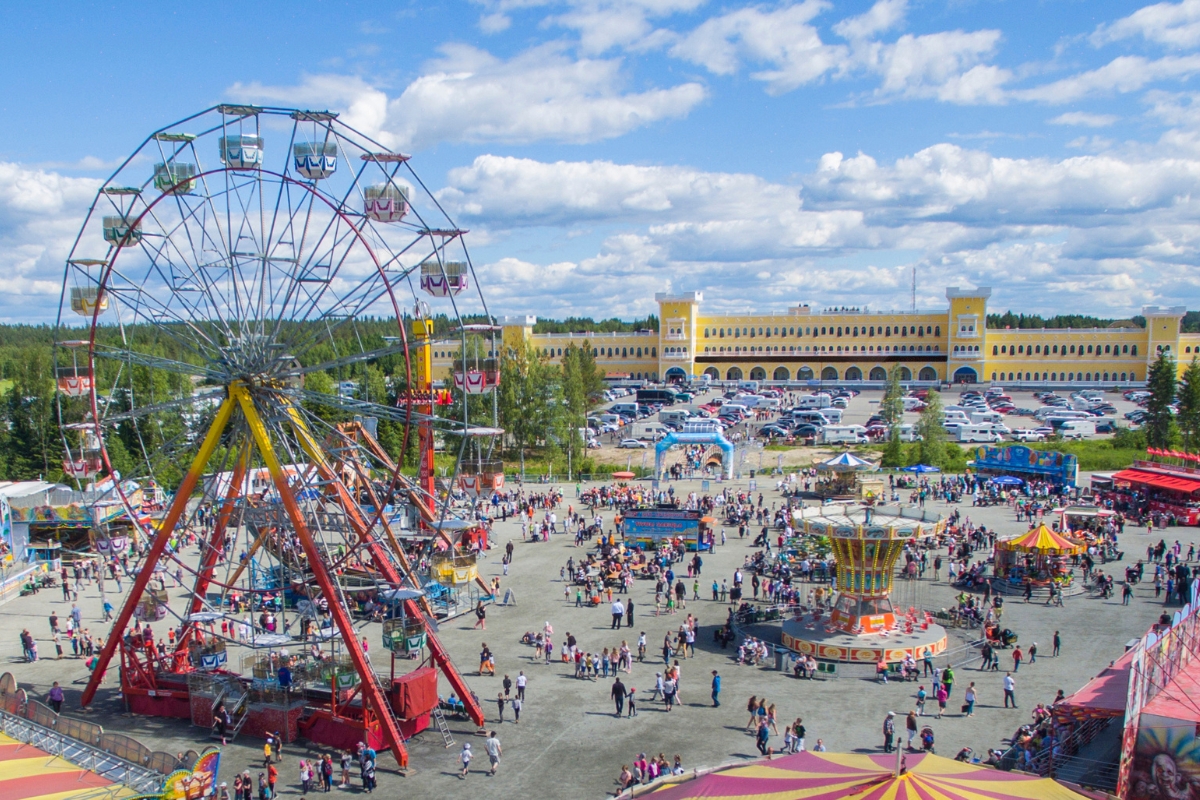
(1161, 383)
(931, 449)
(891, 407)
(530, 399)
(1188, 418)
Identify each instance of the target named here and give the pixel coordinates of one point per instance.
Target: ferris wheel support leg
(371, 690)
(178, 506)
(209, 561)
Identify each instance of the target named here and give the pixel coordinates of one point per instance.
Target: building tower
(677, 334)
(1162, 334)
(966, 325)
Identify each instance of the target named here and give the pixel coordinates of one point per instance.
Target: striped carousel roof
(841, 776)
(1041, 540)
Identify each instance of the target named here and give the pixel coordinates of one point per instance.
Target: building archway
(675, 375)
(905, 374)
(878, 374)
(804, 374)
(927, 374)
(781, 374)
(853, 374)
(733, 374)
(829, 374)
(966, 375)
(713, 373)
(758, 374)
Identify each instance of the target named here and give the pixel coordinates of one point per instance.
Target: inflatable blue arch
(709, 435)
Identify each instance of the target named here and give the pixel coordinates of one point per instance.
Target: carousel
(1040, 556)
(864, 625)
(844, 477)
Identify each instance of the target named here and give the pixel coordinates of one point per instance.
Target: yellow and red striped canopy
(841, 776)
(1041, 540)
(27, 773)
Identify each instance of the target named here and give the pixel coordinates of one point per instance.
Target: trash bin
(751, 474)
(780, 655)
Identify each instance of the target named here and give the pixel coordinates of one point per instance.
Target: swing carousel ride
(245, 279)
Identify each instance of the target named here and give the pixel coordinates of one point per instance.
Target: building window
(888, 331)
(839, 332)
(1133, 352)
(904, 331)
(1122, 376)
(937, 330)
(653, 352)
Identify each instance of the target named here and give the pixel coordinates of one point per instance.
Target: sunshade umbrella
(1007, 480)
(920, 468)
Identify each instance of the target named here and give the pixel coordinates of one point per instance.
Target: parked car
(1028, 436)
(632, 444)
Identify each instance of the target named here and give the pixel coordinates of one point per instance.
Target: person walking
(516, 708)
(618, 695)
(889, 731)
(942, 697)
(1057, 644)
(1032, 653)
(465, 757)
(948, 680)
(521, 682)
(501, 700)
(494, 751)
(1126, 593)
(1017, 657)
(1010, 689)
(629, 614)
(762, 737)
(910, 726)
(969, 696)
(618, 613)
(56, 697)
(480, 616)
(716, 689)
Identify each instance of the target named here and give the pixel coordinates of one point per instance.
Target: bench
(827, 669)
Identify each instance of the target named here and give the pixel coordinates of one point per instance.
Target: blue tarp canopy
(920, 468)
(1007, 480)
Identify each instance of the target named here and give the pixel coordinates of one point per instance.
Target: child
(465, 757)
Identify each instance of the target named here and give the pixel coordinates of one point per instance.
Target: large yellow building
(850, 345)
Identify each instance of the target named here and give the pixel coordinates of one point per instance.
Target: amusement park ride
(212, 287)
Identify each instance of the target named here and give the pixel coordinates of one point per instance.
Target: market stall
(841, 477)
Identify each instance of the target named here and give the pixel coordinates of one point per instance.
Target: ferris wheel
(245, 349)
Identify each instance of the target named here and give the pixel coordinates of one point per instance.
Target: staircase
(1097, 763)
(237, 703)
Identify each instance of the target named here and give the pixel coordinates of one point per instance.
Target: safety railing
(140, 779)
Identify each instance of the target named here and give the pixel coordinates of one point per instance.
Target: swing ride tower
(246, 321)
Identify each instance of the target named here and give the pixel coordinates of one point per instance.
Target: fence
(105, 764)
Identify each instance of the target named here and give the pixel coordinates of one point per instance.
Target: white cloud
(942, 65)
(881, 17)
(40, 215)
(1121, 75)
(1085, 119)
(469, 95)
(605, 24)
(494, 23)
(1077, 232)
(1171, 24)
(783, 39)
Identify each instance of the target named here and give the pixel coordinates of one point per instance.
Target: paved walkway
(569, 745)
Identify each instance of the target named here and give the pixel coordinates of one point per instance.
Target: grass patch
(1095, 455)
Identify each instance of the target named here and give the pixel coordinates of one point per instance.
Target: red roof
(1178, 699)
(1175, 483)
(1104, 695)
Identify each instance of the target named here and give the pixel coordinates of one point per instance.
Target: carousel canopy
(826, 776)
(1043, 541)
(846, 462)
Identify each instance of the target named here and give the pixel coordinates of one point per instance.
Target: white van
(679, 415)
(769, 403)
(986, 417)
(908, 433)
(651, 431)
(954, 415)
(1045, 412)
(811, 417)
(813, 401)
(844, 434)
(623, 408)
(978, 433)
(747, 400)
(612, 419)
(1077, 428)
(747, 386)
(833, 416)
(913, 403)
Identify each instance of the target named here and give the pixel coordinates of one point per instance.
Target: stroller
(927, 739)
(1000, 638)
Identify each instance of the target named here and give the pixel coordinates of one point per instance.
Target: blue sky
(602, 150)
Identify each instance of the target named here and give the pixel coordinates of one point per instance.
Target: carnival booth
(1039, 555)
(1155, 487)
